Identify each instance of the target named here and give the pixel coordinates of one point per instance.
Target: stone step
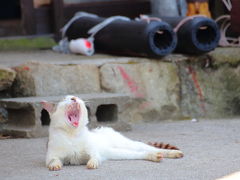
(27, 118)
(154, 81)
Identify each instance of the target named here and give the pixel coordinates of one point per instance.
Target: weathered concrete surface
(7, 77)
(17, 58)
(210, 85)
(210, 147)
(26, 117)
(40, 79)
(221, 91)
(228, 55)
(3, 116)
(157, 83)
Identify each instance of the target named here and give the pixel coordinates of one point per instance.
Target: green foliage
(26, 43)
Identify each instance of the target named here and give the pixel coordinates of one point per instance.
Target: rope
(185, 20)
(224, 26)
(77, 16)
(228, 4)
(177, 27)
(148, 19)
(95, 29)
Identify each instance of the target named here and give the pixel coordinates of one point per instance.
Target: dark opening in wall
(107, 113)
(10, 9)
(45, 118)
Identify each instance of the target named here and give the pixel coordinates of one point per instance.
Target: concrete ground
(15, 58)
(211, 150)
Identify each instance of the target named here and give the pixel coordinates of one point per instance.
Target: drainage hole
(107, 113)
(45, 118)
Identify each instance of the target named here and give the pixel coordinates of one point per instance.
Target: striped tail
(163, 146)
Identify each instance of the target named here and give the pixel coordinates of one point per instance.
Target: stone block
(222, 56)
(7, 77)
(3, 116)
(40, 79)
(210, 92)
(155, 84)
(26, 118)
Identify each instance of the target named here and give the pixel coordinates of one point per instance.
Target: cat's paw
(55, 165)
(174, 154)
(92, 164)
(155, 156)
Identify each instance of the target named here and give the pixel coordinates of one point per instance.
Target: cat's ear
(49, 107)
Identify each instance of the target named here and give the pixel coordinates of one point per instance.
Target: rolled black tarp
(196, 35)
(135, 38)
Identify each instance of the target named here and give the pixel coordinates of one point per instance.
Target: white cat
(70, 141)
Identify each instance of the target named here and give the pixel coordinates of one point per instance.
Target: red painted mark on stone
(23, 68)
(131, 83)
(198, 87)
(26, 68)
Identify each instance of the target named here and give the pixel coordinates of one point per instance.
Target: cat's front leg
(54, 164)
(93, 163)
(94, 160)
(53, 160)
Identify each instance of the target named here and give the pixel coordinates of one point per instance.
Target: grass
(33, 43)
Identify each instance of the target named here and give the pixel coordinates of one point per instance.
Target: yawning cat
(70, 141)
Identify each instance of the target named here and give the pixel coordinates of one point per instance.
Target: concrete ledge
(26, 118)
(42, 79)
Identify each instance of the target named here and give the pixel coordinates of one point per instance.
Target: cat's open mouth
(73, 114)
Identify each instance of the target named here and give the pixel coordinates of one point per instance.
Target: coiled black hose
(196, 35)
(138, 38)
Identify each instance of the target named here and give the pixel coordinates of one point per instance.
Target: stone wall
(175, 87)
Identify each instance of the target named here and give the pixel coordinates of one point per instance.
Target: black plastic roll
(196, 36)
(137, 38)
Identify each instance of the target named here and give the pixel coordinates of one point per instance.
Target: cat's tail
(163, 145)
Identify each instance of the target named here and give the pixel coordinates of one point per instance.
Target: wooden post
(58, 16)
(235, 16)
(28, 17)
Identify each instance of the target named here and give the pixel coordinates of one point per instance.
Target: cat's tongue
(73, 114)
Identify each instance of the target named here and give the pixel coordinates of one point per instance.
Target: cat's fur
(70, 141)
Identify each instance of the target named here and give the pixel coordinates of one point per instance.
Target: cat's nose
(74, 99)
